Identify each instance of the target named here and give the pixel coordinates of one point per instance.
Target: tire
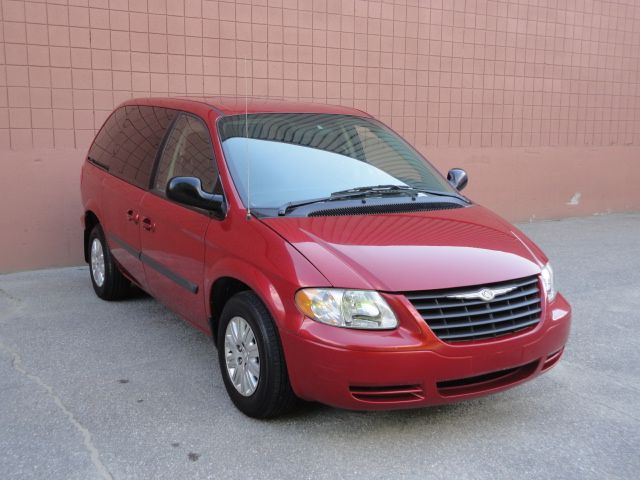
(272, 396)
(108, 282)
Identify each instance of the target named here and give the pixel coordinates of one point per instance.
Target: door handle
(133, 216)
(148, 225)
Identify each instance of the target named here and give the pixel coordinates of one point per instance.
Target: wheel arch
(235, 277)
(90, 221)
(221, 292)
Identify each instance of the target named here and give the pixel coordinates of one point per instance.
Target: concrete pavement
(90, 389)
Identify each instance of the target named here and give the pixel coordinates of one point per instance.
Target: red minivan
(325, 256)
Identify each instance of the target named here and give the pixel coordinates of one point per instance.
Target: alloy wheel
(97, 262)
(242, 356)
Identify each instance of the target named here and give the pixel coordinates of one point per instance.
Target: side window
(134, 150)
(187, 153)
(101, 152)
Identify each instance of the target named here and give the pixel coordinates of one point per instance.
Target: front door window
(187, 153)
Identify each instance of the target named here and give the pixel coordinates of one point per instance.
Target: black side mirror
(457, 177)
(188, 191)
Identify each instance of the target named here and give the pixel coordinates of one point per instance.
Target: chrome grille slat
(460, 319)
(470, 313)
(468, 303)
(413, 296)
(491, 332)
(485, 322)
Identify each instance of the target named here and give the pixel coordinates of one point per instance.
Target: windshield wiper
(362, 192)
(389, 189)
(341, 195)
(287, 207)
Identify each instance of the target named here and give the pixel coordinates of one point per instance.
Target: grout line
(6, 86)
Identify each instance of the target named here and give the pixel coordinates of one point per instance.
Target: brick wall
(455, 73)
(499, 87)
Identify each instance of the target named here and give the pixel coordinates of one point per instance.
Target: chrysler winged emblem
(486, 294)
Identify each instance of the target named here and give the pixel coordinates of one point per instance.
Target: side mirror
(457, 177)
(188, 191)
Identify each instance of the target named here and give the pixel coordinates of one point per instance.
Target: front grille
(463, 319)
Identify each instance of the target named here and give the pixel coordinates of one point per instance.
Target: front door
(173, 235)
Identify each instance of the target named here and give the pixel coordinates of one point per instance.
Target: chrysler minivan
(325, 256)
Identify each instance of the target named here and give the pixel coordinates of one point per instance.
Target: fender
(274, 290)
(92, 192)
(91, 203)
(91, 206)
(248, 274)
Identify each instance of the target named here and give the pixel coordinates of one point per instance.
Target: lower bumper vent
(394, 393)
(486, 381)
(552, 359)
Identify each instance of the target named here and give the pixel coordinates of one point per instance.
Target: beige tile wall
(538, 99)
(463, 73)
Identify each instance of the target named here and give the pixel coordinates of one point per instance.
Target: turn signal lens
(549, 282)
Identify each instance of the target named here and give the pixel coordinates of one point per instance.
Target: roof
(235, 105)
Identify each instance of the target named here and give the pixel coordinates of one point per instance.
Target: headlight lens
(363, 309)
(548, 282)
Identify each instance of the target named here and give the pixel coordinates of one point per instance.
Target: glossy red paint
(175, 242)
(391, 253)
(415, 251)
(121, 213)
(324, 364)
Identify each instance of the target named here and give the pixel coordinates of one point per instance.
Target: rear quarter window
(102, 149)
(127, 144)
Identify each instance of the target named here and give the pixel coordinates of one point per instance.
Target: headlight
(363, 309)
(547, 281)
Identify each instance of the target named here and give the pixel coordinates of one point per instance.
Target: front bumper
(406, 374)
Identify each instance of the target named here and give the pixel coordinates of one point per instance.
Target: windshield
(301, 156)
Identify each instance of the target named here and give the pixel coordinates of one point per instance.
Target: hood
(412, 251)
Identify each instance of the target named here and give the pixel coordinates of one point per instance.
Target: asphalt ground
(90, 389)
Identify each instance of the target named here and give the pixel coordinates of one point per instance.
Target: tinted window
(128, 142)
(187, 153)
(301, 156)
(103, 146)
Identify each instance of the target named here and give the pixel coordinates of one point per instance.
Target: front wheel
(108, 282)
(251, 359)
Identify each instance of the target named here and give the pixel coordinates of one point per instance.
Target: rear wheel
(107, 280)
(251, 359)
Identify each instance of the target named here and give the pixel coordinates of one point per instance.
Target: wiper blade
(361, 192)
(287, 207)
(372, 189)
(341, 195)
